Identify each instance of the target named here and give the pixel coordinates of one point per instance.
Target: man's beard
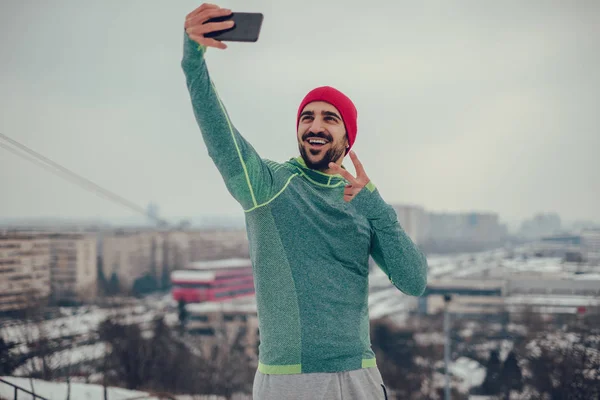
(334, 153)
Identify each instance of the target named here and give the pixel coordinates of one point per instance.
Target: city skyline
(236, 221)
(461, 108)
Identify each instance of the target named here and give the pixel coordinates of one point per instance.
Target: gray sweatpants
(360, 384)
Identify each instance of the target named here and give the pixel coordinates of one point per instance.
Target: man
(311, 226)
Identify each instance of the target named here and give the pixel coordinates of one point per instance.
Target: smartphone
(246, 29)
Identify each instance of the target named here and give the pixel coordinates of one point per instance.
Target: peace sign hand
(356, 184)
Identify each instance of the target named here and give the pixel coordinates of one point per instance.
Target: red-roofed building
(213, 281)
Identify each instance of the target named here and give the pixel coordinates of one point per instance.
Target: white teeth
(315, 141)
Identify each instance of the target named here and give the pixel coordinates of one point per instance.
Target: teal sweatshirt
(309, 248)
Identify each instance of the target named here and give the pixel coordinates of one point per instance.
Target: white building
(73, 271)
(218, 244)
(541, 225)
(24, 270)
(474, 227)
(414, 221)
(129, 256)
(590, 239)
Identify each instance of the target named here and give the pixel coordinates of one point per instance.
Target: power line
(26, 157)
(66, 173)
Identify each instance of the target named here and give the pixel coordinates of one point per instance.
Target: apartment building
(24, 270)
(177, 248)
(591, 244)
(73, 272)
(414, 221)
(132, 255)
(472, 227)
(218, 244)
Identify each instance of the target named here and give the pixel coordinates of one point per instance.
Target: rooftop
(246, 304)
(466, 283)
(220, 264)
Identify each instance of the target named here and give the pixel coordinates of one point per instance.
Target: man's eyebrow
(323, 113)
(330, 114)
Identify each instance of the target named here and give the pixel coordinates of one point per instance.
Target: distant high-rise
(24, 270)
(451, 230)
(413, 219)
(591, 244)
(153, 211)
(474, 227)
(73, 269)
(132, 255)
(541, 225)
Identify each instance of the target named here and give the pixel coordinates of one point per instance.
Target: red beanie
(340, 101)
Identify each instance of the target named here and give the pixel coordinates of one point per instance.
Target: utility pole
(447, 299)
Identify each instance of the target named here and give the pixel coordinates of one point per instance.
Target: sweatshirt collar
(317, 177)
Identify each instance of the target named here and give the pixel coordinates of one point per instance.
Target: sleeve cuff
(191, 48)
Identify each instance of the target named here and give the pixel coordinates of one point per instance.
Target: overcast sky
(463, 105)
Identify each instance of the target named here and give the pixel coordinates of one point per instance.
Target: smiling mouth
(317, 142)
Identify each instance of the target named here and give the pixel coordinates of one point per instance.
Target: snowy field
(79, 325)
(58, 390)
(83, 391)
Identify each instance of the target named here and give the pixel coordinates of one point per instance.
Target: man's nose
(316, 126)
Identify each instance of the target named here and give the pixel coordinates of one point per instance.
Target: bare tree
(511, 376)
(8, 360)
(129, 353)
(396, 350)
(173, 364)
(565, 365)
(227, 368)
(492, 384)
(156, 359)
(160, 360)
(40, 358)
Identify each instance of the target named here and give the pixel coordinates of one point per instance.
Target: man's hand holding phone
(196, 28)
(211, 25)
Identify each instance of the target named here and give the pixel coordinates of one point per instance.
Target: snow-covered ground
(384, 299)
(58, 390)
(387, 301)
(77, 327)
(80, 324)
(79, 321)
(64, 358)
(83, 391)
(470, 372)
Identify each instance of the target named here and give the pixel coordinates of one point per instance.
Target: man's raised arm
(246, 176)
(391, 248)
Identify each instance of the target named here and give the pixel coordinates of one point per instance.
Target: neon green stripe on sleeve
(370, 187)
(237, 147)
